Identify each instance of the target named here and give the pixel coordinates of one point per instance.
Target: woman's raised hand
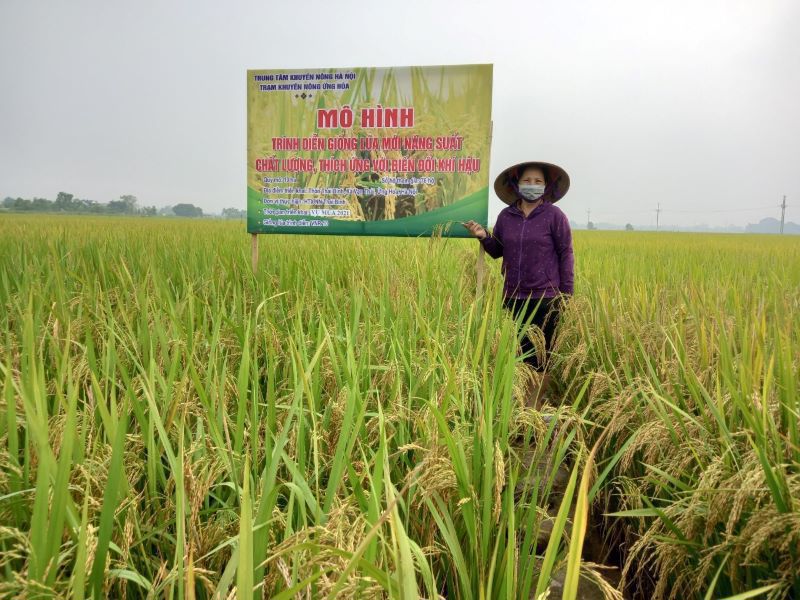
(475, 229)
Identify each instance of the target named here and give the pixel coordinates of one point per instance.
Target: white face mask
(531, 193)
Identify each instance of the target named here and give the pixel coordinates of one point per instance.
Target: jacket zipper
(519, 265)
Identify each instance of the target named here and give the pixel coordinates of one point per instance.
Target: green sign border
(423, 225)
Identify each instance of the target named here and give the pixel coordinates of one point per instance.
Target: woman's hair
(517, 173)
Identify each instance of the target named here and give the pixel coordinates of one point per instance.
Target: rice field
(346, 423)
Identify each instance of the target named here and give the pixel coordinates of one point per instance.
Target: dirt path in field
(593, 547)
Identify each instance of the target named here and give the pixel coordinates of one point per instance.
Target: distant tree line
(234, 213)
(124, 205)
(187, 210)
(68, 203)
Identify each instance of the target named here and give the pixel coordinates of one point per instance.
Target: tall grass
(337, 425)
(692, 347)
(340, 424)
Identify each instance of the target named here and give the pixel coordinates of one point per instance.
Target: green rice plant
(342, 423)
(700, 369)
(174, 378)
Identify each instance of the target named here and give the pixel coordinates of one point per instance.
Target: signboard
(400, 151)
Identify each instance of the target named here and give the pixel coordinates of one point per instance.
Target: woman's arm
(562, 240)
(493, 243)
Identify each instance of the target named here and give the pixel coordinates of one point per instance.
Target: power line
(624, 212)
(720, 210)
(686, 210)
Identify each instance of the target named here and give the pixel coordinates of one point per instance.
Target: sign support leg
(254, 252)
(480, 268)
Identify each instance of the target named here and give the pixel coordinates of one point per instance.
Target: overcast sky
(691, 104)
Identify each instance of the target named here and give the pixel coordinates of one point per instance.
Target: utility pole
(658, 212)
(783, 212)
(588, 218)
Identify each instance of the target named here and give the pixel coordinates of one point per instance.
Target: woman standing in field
(535, 240)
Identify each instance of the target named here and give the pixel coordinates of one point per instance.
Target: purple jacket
(537, 251)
